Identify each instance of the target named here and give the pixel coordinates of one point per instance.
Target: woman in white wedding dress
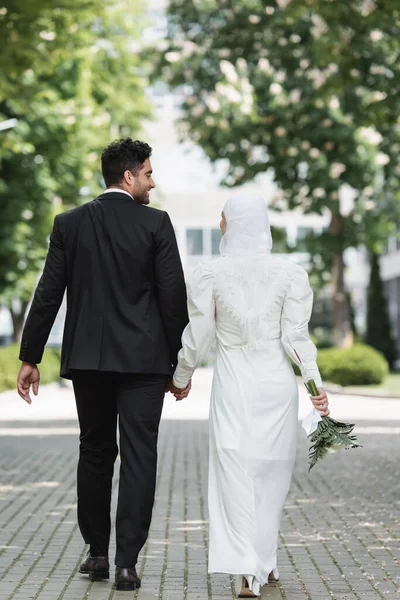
(257, 306)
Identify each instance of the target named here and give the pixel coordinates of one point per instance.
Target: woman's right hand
(321, 402)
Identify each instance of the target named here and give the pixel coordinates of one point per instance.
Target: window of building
(194, 242)
(215, 241)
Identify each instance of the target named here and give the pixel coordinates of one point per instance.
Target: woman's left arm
(296, 313)
(199, 334)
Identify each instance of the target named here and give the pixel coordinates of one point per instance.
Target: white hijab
(243, 287)
(247, 227)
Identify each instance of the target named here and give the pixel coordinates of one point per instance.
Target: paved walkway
(340, 530)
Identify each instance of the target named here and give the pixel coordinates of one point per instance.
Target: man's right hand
(28, 376)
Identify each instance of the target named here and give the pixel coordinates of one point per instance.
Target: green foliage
(307, 89)
(281, 85)
(379, 330)
(358, 365)
(330, 436)
(69, 74)
(9, 366)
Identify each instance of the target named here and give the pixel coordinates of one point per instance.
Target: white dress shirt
(109, 190)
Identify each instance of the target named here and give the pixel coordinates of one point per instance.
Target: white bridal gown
(258, 308)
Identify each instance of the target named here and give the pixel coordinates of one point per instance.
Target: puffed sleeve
(199, 334)
(296, 313)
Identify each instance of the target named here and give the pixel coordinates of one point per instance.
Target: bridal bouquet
(326, 435)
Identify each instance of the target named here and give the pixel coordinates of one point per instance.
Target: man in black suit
(126, 311)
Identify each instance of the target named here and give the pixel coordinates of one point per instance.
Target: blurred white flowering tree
(70, 76)
(307, 88)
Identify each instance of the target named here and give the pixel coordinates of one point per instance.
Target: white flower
(376, 35)
(305, 145)
(337, 169)
(314, 153)
(327, 123)
(197, 110)
(304, 63)
(320, 26)
(318, 193)
(213, 104)
(229, 71)
(371, 135)
(378, 96)
(247, 104)
(27, 214)
(264, 65)
(295, 39)
(382, 159)
(242, 64)
(334, 103)
(369, 190)
(292, 151)
(269, 10)
(173, 56)
(280, 76)
(254, 19)
(246, 86)
(295, 95)
(229, 92)
(377, 70)
(275, 89)
(280, 131)
(224, 52)
(48, 35)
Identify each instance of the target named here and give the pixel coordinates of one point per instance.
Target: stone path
(340, 530)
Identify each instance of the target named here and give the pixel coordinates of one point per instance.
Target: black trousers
(137, 400)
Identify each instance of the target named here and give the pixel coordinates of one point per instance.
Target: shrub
(9, 366)
(358, 365)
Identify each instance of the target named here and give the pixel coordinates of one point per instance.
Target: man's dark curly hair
(123, 155)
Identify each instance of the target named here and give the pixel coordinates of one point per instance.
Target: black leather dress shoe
(126, 579)
(97, 567)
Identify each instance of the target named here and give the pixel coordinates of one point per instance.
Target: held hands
(321, 403)
(28, 376)
(179, 393)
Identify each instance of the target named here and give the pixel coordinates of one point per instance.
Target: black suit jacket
(126, 295)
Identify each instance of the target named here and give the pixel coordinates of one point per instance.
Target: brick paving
(339, 536)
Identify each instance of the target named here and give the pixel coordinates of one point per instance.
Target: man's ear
(129, 178)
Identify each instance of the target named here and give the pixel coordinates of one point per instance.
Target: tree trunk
(17, 317)
(342, 333)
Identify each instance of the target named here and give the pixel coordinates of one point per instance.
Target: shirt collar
(113, 190)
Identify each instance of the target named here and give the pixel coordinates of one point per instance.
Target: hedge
(358, 365)
(9, 366)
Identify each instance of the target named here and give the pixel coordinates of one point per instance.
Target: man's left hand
(179, 393)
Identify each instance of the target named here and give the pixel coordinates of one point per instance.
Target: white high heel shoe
(273, 576)
(247, 586)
